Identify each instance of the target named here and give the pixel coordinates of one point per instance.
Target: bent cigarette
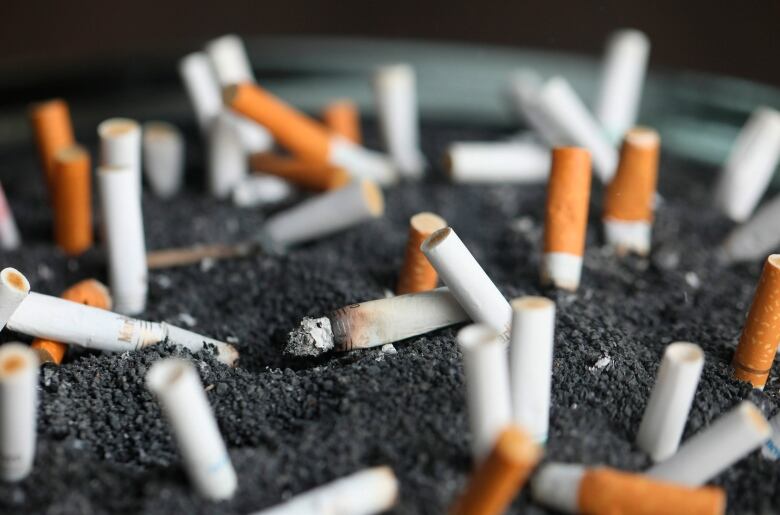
(305, 174)
(169, 258)
(377, 322)
(73, 200)
(9, 232)
(202, 88)
(343, 118)
(163, 148)
(18, 410)
(259, 190)
(524, 87)
(14, 288)
(229, 60)
(755, 238)
(522, 162)
(227, 163)
(417, 274)
(120, 146)
(53, 132)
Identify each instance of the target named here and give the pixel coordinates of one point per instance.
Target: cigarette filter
(622, 78)
(229, 60)
(9, 232)
(367, 492)
(530, 363)
(374, 323)
(467, 281)
(202, 88)
(417, 274)
(73, 200)
(163, 158)
(755, 238)
(524, 87)
(14, 288)
(714, 449)
(566, 217)
(487, 386)
(53, 132)
(18, 410)
(760, 336)
(228, 165)
(670, 401)
(343, 118)
(516, 162)
(750, 165)
(305, 174)
(259, 190)
(499, 478)
(176, 385)
(602, 490)
(120, 146)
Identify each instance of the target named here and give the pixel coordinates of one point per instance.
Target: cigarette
(374, 323)
(343, 118)
(670, 401)
(570, 488)
(227, 163)
(178, 389)
(163, 152)
(417, 274)
(530, 363)
(229, 60)
(714, 449)
(305, 137)
(120, 146)
(622, 78)
(771, 448)
(170, 258)
(566, 217)
(522, 162)
(9, 232)
(53, 132)
(628, 202)
(367, 492)
(305, 174)
(202, 88)
(760, 336)
(260, 190)
(467, 281)
(755, 238)
(524, 86)
(73, 200)
(18, 410)
(89, 292)
(395, 93)
(14, 288)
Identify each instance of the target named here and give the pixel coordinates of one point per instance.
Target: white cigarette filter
(323, 215)
(163, 158)
(716, 448)
(756, 238)
(516, 162)
(9, 232)
(124, 233)
(467, 281)
(524, 85)
(260, 189)
(395, 91)
(750, 165)
(771, 448)
(176, 385)
(376, 322)
(530, 363)
(18, 410)
(228, 165)
(622, 78)
(229, 60)
(367, 492)
(202, 88)
(14, 288)
(120, 146)
(670, 401)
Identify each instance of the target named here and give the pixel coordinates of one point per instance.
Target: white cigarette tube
(202, 88)
(14, 288)
(18, 410)
(361, 162)
(124, 229)
(9, 232)
(487, 386)
(376, 322)
(756, 238)
(163, 158)
(530, 363)
(750, 166)
(367, 492)
(771, 448)
(228, 164)
(467, 281)
(176, 385)
(120, 146)
(622, 78)
(512, 162)
(716, 448)
(395, 92)
(260, 190)
(229, 60)
(524, 86)
(670, 401)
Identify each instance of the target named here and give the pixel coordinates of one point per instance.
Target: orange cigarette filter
(53, 132)
(72, 200)
(417, 274)
(758, 343)
(306, 174)
(568, 194)
(343, 118)
(90, 292)
(629, 196)
(501, 475)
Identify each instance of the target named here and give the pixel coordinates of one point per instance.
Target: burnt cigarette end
(312, 338)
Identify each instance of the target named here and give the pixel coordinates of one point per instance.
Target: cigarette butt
(18, 410)
(757, 237)
(170, 258)
(522, 162)
(227, 163)
(14, 288)
(53, 132)
(305, 174)
(9, 232)
(760, 336)
(229, 60)
(163, 152)
(417, 274)
(260, 190)
(343, 118)
(73, 200)
(202, 88)
(120, 146)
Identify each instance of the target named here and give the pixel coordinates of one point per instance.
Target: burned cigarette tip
(312, 338)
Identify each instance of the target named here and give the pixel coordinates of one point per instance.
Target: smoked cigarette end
(114, 127)
(417, 274)
(15, 280)
(531, 303)
(90, 292)
(72, 200)
(49, 351)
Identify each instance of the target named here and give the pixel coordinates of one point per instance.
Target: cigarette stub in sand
(714, 449)
(18, 410)
(260, 190)
(417, 274)
(760, 335)
(628, 202)
(120, 146)
(566, 217)
(176, 385)
(53, 132)
(227, 161)
(305, 174)
(367, 492)
(14, 288)
(670, 401)
(757, 237)
(570, 488)
(516, 161)
(9, 232)
(73, 200)
(374, 323)
(163, 147)
(499, 478)
(202, 88)
(523, 87)
(343, 118)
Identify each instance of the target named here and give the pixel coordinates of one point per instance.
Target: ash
(313, 337)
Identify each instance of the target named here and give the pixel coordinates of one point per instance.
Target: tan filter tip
(568, 195)
(417, 274)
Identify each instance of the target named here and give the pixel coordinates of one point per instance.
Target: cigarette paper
(120, 146)
(18, 410)
(714, 449)
(343, 118)
(259, 190)
(755, 238)
(169, 258)
(375, 323)
(601, 490)
(178, 388)
(467, 281)
(517, 162)
(771, 449)
(229, 60)
(524, 87)
(9, 232)
(53, 132)
(163, 158)
(227, 162)
(530, 363)
(305, 174)
(500, 477)
(72, 200)
(14, 288)
(202, 88)
(417, 274)
(566, 217)
(367, 492)
(622, 78)
(670, 401)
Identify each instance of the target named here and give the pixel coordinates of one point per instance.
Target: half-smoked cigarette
(120, 146)
(14, 288)
(18, 410)
(178, 388)
(73, 200)
(229, 60)
(516, 162)
(202, 88)
(377, 322)
(755, 238)
(53, 132)
(628, 202)
(227, 162)
(566, 217)
(670, 401)
(305, 174)
(163, 149)
(343, 118)
(260, 190)
(417, 274)
(714, 449)
(9, 232)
